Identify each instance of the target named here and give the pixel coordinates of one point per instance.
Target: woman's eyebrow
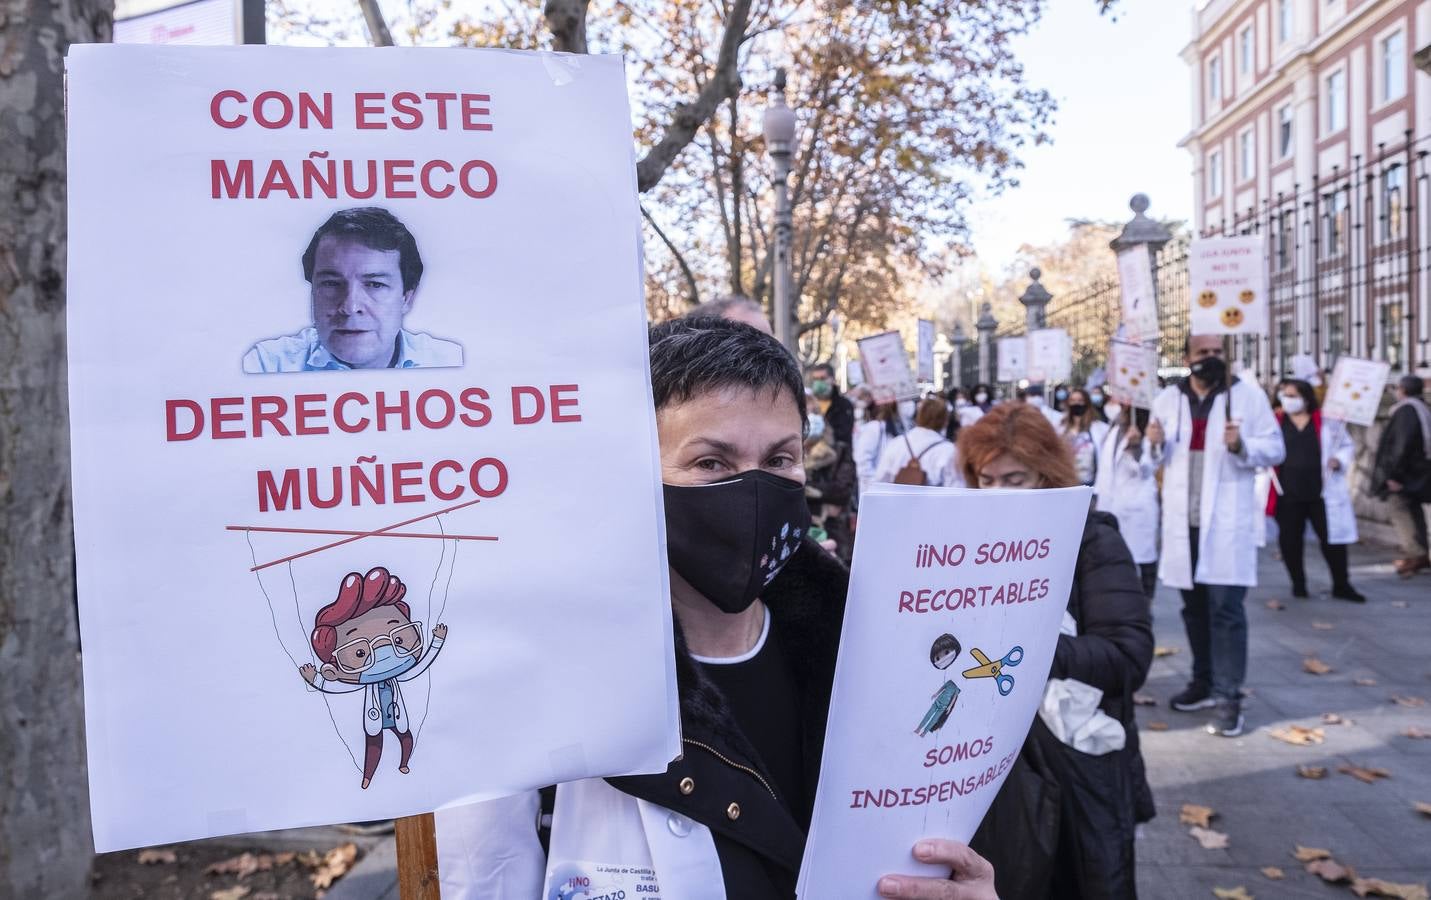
(718, 446)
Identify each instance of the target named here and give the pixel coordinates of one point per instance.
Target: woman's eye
(779, 462)
(708, 465)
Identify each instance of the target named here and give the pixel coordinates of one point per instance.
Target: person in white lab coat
(1211, 432)
(1082, 430)
(881, 426)
(1034, 396)
(1127, 487)
(938, 460)
(1313, 482)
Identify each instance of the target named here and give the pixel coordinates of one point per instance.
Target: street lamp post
(779, 130)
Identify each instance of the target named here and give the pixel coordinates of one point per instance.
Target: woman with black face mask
(758, 609)
(1082, 431)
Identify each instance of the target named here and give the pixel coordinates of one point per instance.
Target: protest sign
(324, 390)
(955, 602)
(886, 364)
(1050, 355)
(1013, 358)
(854, 373)
(925, 355)
(1355, 390)
(1228, 284)
(1138, 294)
(1133, 372)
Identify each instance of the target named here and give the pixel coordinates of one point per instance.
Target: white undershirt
(747, 656)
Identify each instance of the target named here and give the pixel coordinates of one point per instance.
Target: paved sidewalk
(1262, 805)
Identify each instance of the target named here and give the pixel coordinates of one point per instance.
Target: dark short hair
(1303, 388)
(823, 367)
(376, 229)
(942, 645)
(721, 306)
(1412, 385)
(692, 355)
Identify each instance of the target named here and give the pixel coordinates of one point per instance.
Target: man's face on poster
(358, 301)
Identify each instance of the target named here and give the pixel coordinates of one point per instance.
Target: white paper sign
(854, 373)
(1013, 358)
(1133, 373)
(1138, 294)
(1355, 390)
(1050, 355)
(925, 356)
(1228, 284)
(314, 593)
(886, 364)
(955, 602)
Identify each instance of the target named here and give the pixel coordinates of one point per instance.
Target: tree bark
(566, 20)
(45, 847)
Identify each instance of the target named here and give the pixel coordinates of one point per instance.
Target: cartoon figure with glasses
(368, 641)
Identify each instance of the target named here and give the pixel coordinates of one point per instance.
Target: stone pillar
(986, 326)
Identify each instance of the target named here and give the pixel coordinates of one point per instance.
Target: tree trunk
(566, 20)
(378, 31)
(45, 844)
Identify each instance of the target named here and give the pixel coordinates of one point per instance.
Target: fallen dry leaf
(1210, 840)
(1237, 893)
(1330, 871)
(1323, 626)
(243, 865)
(1334, 719)
(1360, 773)
(1365, 682)
(1192, 814)
(1423, 808)
(152, 857)
(1276, 605)
(1274, 873)
(1416, 733)
(1315, 666)
(336, 863)
(1409, 702)
(1363, 887)
(1313, 772)
(1144, 700)
(237, 892)
(1299, 735)
(1157, 726)
(1165, 651)
(1307, 854)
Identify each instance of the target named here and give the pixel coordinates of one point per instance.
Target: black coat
(840, 417)
(1401, 456)
(760, 850)
(1062, 824)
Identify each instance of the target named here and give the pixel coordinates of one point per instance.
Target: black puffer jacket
(1401, 456)
(760, 850)
(1062, 825)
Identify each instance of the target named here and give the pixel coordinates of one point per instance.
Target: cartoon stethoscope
(995, 669)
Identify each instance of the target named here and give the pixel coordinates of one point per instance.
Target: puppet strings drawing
(942, 654)
(366, 639)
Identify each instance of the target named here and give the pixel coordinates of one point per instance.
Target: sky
(1122, 91)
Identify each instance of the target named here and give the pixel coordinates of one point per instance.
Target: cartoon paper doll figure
(368, 642)
(941, 655)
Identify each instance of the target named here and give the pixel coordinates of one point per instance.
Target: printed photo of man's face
(359, 301)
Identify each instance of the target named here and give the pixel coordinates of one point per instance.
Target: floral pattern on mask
(782, 547)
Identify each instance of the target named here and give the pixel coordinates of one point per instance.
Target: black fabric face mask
(1077, 409)
(731, 538)
(1210, 370)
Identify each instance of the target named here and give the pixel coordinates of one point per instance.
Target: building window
(1336, 336)
(1284, 131)
(1391, 332)
(1336, 102)
(1214, 80)
(1246, 155)
(1214, 174)
(1334, 224)
(1393, 192)
(1284, 21)
(1244, 54)
(1393, 66)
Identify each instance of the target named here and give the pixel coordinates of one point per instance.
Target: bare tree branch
(689, 117)
(377, 25)
(690, 276)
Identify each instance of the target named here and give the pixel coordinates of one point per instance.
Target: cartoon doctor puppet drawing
(368, 642)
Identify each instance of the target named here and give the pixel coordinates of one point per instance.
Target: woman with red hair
(1106, 643)
(368, 642)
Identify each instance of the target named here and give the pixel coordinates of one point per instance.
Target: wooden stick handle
(417, 858)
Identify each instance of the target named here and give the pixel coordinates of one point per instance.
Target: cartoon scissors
(995, 669)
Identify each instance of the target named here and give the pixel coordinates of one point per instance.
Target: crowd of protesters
(750, 444)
